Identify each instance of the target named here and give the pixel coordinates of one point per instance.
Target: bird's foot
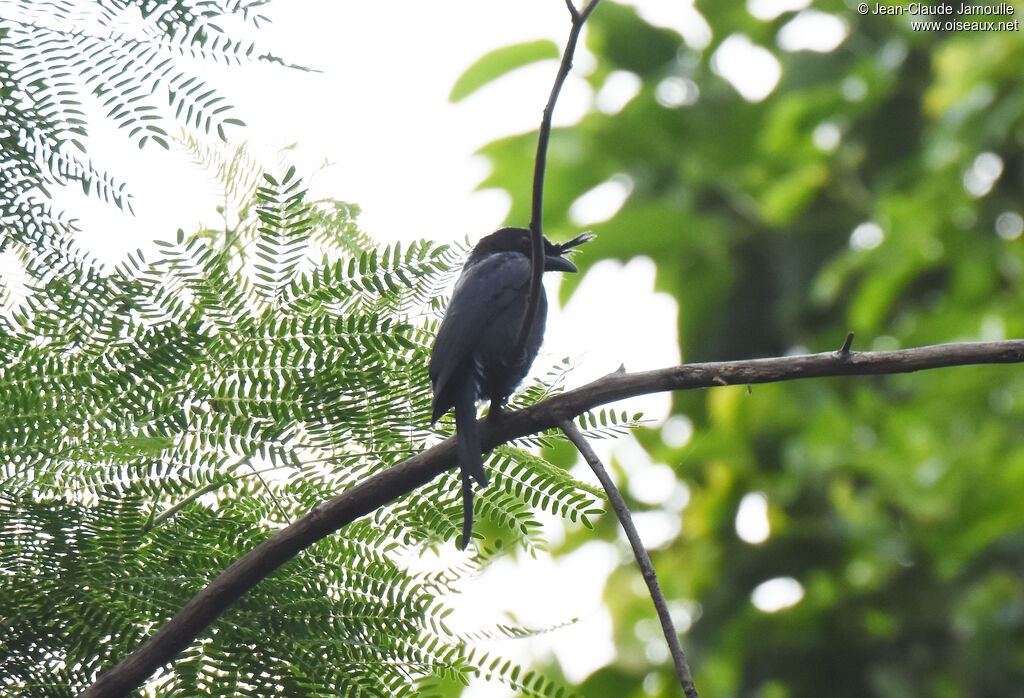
(496, 412)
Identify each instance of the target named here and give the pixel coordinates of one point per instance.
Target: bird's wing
(488, 298)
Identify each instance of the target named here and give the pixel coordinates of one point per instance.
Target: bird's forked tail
(468, 448)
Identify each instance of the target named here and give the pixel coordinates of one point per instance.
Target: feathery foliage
(133, 62)
(160, 420)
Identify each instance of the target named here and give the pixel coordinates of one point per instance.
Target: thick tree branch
(186, 625)
(643, 560)
(539, 167)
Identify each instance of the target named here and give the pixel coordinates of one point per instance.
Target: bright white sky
(379, 113)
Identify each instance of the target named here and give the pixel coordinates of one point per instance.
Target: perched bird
(471, 359)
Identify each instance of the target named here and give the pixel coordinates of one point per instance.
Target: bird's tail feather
(467, 436)
(468, 449)
(467, 509)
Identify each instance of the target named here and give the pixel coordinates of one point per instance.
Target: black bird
(471, 356)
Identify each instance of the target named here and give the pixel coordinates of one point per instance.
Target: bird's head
(518, 240)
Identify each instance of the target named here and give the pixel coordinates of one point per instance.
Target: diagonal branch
(539, 166)
(643, 560)
(186, 625)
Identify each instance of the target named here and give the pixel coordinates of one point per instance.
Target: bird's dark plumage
(471, 355)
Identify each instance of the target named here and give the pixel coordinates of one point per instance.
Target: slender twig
(643, 560)
(157, 520)
(384, 487)
(539, 166)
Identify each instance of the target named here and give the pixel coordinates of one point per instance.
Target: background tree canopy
(160, 418)
(876, 189)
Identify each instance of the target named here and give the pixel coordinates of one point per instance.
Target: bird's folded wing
(485, 311)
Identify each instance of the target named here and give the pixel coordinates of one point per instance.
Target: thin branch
(539, 166)
(643, 560)
(388, 485)
(157, 520)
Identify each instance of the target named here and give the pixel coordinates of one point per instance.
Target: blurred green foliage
(895, 502)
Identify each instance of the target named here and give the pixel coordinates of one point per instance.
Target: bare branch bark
(186, 625)
(643, 560)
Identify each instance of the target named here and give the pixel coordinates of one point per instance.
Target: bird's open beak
(558, 263)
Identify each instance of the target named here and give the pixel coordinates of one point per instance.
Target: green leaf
(493, 65)
(145, 445)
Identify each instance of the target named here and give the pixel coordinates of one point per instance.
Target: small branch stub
(844, 351)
